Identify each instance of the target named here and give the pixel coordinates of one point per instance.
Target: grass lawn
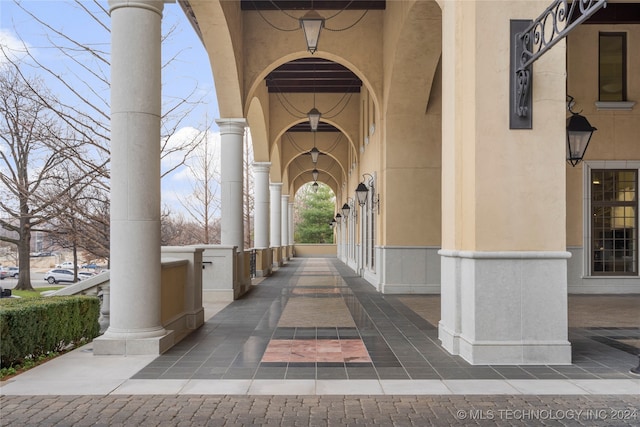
(35, 293)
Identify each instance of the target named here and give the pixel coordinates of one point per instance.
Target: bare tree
(81, 220)
(34, 153)
(83, 78)
(86, 84)
(202, 205)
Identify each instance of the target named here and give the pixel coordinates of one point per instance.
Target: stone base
(408, 270)
(450, 340)
(263, 273)
(213, 296)
(140, 346)
(505, 308)
(515, 353)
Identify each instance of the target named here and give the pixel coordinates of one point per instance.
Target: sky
(189, 72)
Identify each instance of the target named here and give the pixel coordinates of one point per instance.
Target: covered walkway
(316, 322)
(314, 319)
(316, 345)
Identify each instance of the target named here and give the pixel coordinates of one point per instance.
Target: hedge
(32, 327)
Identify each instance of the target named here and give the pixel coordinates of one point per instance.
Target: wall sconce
(311, 24)
(345, 210)
(579, 132)
(362, 192)
(347, 207)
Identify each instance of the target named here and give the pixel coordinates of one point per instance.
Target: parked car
(58, 275)
(85, 275)
(14, 272)
(66, 264)
(4, 272)
(90, 266)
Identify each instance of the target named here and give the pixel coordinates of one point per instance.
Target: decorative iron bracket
(530, 40)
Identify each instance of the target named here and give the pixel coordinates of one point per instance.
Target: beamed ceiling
(312, 74)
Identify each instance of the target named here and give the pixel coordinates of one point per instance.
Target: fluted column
(284, 229)
(276, 213)
(261, 204)
(231, 149)
(135, 292)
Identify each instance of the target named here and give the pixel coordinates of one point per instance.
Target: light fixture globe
(314, 155)
(311, 24)
(314, 118)
(314, 187)
(579, 132)
(345, 210)
(338, 218)
(314, 174)
(361, 192)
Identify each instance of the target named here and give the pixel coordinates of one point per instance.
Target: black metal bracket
(530, 40)
(520, 78)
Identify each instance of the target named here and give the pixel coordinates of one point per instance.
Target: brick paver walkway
(319, 410)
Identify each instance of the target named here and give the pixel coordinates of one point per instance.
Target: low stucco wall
(303, 250)
(173, 282)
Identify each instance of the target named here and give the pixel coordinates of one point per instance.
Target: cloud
(200, 141)
(12, 47)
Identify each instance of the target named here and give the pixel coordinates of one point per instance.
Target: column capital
(263, 167)
(152, 5)
(235, 126)
(285, 198)
(276, 185)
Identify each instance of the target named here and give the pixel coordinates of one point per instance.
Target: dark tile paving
(400, 343)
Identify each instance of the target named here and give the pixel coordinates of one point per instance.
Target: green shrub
(30, 328)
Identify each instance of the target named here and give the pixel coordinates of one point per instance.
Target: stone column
(276, 221)
(285, 226)
(291, 226)
(503, 257)
(276, 234)
(261, 204)
(232, 224)
(135, 292)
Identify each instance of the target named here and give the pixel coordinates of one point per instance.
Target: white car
(58, 275)
(66, 264)
(85, 275)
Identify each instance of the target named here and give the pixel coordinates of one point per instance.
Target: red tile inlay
(312, 350)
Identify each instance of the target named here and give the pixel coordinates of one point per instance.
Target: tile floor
(313, 319)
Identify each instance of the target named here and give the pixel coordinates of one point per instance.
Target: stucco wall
(617, 134)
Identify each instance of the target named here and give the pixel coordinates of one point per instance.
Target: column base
(515, 353)
(449, 339)
(105, 345)
(506, 308)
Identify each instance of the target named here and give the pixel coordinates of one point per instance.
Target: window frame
(623, 36)
(588, 229)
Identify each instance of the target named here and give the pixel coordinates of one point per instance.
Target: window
(613, 67)
(614, 222)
